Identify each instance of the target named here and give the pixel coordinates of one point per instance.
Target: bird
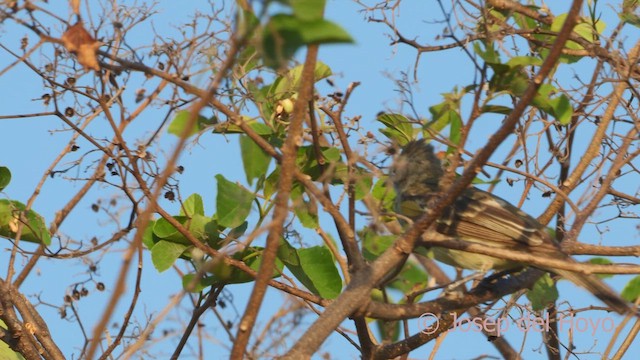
(483, 218)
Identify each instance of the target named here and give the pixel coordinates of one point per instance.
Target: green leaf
(489, 54)
(148, 238)
(373, 244)
(397, 128)
(230, 275)
(271, 183)
(307, 212)
(34, 229)
(514, 81)
(601, 261)
(314, 267)
(362, 185)
(5, 177)
(308, 9)
(586, 30)
(389, 330)
(630, 18)
(524, 61)
(562, 109)
(5, 351)
(180, 121)
(229, 128)
(307, 162)
(455, 131)
(631, 291)
(384, 193)
(233, 203)
(319, 266)
(191, 285)
(543, 293)
(202, 227)
(289, 83)
(284, 34)
(498, 109)
(165, 253)
(410, 279)
(288, 254)
(255, 160)
(192, 206)
(165, 231)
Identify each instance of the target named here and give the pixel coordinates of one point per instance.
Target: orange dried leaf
(78, 41)
(75, 5)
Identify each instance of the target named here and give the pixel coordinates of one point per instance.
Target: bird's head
(416, 169)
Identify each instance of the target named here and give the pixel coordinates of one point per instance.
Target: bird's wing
(481, 216)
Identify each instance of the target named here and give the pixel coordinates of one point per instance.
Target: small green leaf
(384, 193)
(308, 9)
(255, 160)
(562, 109)
(284, 34)
(165, 231)
(289, 83)
(180, 121)
(362, 185)
(498, 109)
(318, 264)
(271, 183)
(5, 351)
(233, 203)
(373, 245)
(5, 177)
(307, 212)
(314, 267)
(230, 275)
(630, 18)
(288, 254)
(524, 61)
(191, 285)
(192, 206)
(410, 279)
(389, 330)
(489, 54)
(397, 128)
(148, 238)
(455, 131)
(34, 228)
(601, 261)
(543, 293)
(229, 128)
(202, 227)
(165, 253)
(631, 291)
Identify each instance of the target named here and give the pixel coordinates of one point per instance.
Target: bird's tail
(602, 291)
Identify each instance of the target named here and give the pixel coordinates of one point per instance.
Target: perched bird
(483, 218)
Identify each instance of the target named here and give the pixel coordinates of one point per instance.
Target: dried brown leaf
(79, 42)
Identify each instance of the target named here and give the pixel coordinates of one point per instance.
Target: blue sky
(30, 145)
